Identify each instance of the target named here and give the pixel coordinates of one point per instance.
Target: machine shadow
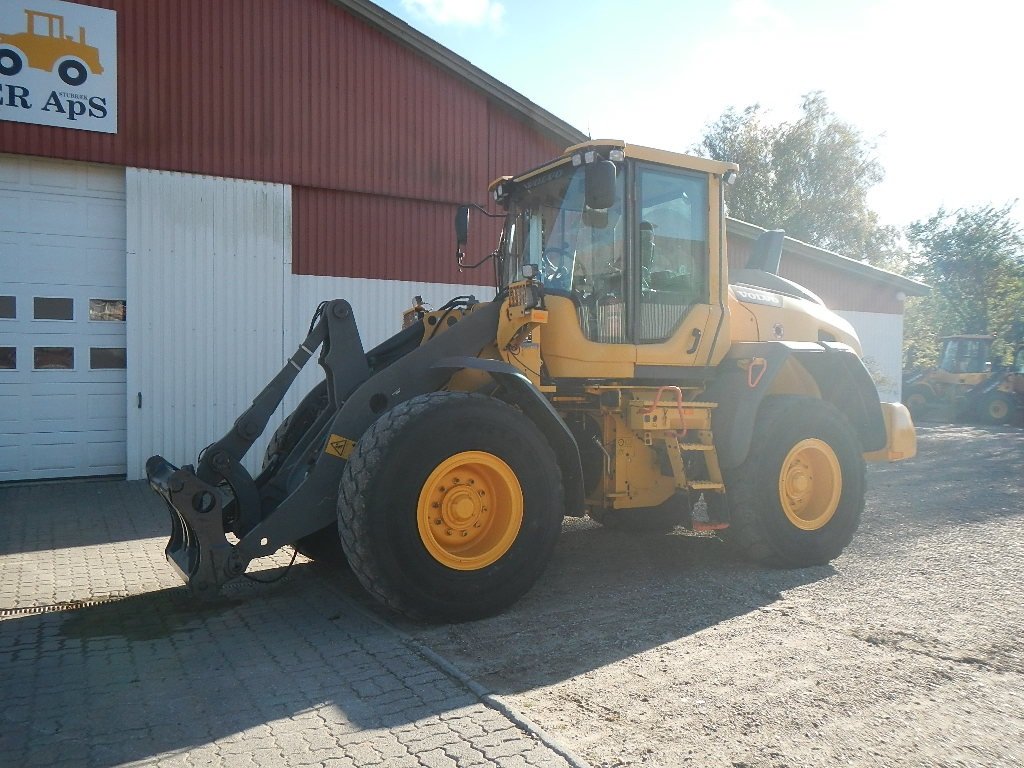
(161, 673)
(607, 596)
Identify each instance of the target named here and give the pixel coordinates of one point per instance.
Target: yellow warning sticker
(339, 446)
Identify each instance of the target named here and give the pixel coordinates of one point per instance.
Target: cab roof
(653, 155)
(636, 151)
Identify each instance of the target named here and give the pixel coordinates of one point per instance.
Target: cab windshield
(549, 226)
(581, 253)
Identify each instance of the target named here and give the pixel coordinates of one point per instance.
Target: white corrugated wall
(214, 310)
(206, 261)
(881, 336)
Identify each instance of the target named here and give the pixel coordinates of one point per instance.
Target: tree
(810, 177)
(974, 260)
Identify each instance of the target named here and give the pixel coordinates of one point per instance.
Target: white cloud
(470, 13)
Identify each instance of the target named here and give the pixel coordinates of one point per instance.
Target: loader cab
(627, 245)
(966, 354)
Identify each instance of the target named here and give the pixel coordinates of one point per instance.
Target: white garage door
(63, 405)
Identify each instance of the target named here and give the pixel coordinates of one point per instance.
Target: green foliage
(810, 177)
(974, 260)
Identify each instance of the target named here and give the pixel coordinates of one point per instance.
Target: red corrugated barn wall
(379, 142)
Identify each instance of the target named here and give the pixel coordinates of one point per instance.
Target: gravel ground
(666, 650)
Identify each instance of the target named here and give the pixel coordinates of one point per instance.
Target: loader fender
(743, 381)
(519, 391)
(313, 505)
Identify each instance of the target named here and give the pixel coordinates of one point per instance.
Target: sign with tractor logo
(58, 65)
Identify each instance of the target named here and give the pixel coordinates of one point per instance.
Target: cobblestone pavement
(292, 673)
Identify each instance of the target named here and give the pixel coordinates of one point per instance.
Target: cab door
(680, 271)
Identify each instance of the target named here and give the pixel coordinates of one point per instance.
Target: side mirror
(599, 184)
(462, 225)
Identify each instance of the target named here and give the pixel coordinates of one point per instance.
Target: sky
(934, 85)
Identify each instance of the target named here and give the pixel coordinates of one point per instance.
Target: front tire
(996, 408)
(73, 72)
(797, 499)
(450, 506)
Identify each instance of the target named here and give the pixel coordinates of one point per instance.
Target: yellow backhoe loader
(621, 371)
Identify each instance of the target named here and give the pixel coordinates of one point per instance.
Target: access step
(705, 485)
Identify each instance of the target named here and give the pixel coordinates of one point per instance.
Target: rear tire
(797, 499)
(413, 507)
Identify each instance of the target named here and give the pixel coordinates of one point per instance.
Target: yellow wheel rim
(470, 510)
(810, 484)
(998, 409)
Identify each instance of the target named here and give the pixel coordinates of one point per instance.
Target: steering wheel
(554, 272)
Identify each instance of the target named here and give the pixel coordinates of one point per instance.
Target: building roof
(391, 25)
(462, 68)
(834, 260)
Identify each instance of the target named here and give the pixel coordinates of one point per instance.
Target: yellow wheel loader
(966, 381)
(621, 371)
(963, 365)
(998, 399)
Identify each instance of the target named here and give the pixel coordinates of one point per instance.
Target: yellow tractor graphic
(43, 45)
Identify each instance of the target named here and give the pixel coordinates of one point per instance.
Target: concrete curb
(485, 696)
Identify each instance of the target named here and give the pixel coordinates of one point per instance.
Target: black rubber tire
(11, 62)
(664, 518)
(996, 408)
(759, 528)
(917, 399)
(322, 546)
(380, 487)
(73, 72)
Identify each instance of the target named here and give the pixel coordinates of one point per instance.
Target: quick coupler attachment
(197, 549)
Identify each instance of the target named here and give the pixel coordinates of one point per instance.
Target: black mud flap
(197, 549)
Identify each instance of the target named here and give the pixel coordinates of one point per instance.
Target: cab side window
(672, 248)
